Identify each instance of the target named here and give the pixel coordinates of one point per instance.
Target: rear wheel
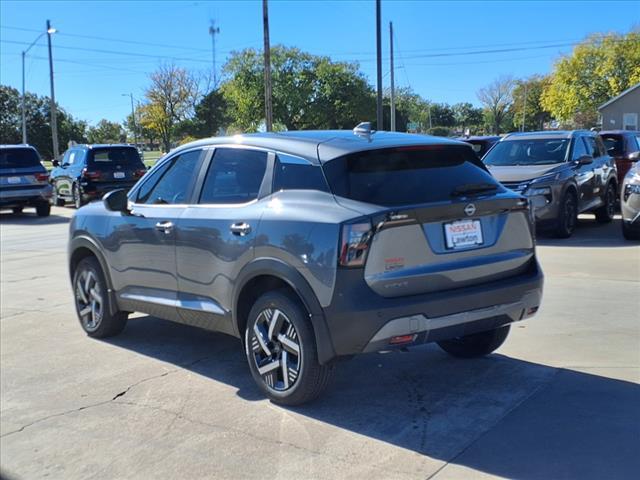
(476, 344)
(281, 350)
(567, 216)
(43, 209)
(605, 213)
(17, 210)
(92, 301)
(77, 196)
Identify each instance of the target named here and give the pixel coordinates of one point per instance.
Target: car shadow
(30, 218)
(499, 415)
(588, 233)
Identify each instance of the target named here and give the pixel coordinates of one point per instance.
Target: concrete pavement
(559, 400)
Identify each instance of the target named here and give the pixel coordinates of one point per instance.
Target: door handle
(165, 227)
(241, 229)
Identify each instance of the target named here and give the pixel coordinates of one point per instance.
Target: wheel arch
(266, 274)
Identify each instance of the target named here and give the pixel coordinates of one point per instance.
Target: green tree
(467, 116)
(210, 115)
(106, 132)
(496, 99)
(442, 115)
(535, 114)
(597, 70)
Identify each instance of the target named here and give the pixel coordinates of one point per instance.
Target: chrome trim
(208, 306)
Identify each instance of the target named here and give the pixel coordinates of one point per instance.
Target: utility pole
(268, 108)
(213, 31)
(379, 125)
(524, 106)
(54, 120)
(133, 117)
(393, 91)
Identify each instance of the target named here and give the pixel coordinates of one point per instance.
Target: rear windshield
(528, 152)
(406, 175)
(614, 144)
(18, 158)
(112, 156)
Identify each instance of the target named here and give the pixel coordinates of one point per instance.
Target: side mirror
(634, 156)
(585, 160)
(55, 163)
(116, 201)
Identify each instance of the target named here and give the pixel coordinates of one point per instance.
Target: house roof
(630, 89)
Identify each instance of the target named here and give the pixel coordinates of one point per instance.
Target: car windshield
(18, 158)
(112, 156)
(406, 175)
(528, 152)
(613, 144)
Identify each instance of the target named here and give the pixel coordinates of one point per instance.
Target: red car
(624, 147)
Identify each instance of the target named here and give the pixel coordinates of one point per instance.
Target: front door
(585, 177)
(141, 246)
(215, 237)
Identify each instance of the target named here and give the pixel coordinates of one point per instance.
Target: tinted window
(170, 183)
(404, 176)
(234, 176)
(579, 149)
(593, 148)
(114, 156)
(614, 144)
(18, 158)
(540, 151)
(294, 173)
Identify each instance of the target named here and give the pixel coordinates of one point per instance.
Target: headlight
(534, 191)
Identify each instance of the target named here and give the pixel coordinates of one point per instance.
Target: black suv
(310, 246)
(24, 182)
(87, 172)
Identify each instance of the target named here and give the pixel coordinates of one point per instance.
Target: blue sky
(136, 37)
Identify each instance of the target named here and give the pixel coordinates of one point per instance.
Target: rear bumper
(361, 321)
(30, 196)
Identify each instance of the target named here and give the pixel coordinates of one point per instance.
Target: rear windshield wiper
(473, 188)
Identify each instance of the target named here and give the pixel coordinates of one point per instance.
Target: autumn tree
(496, 98)
(598, 69)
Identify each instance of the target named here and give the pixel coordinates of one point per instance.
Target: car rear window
(112, 156)
(614, 144)
(18, 158)
(405, 175)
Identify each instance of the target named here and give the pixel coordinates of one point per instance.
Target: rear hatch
(441, 220)
(114, 165)
(20, 169)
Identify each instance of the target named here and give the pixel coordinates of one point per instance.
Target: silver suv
(562, 173)
(311, 246)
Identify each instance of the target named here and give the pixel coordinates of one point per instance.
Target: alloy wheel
(275, 348)
(89, 300)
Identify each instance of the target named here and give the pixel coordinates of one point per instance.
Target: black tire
(567, 216)
(43, 209)
(476, 344)
(55, 199)
(77, 196)
(17, 210)
(605, 213)
(93, 302)
(295, 378)
(628, 233)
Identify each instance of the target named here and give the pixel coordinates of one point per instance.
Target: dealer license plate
(118, 174)
(14, 180)
(463, 234)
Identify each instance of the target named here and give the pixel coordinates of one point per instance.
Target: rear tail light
(89, 175)
(42, 177)
(354, 244)
(139, 173)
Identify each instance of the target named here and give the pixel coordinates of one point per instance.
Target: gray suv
(312, 246)
(562, 173)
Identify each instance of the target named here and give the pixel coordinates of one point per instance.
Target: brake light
(89, 175)
(354, 244)
(139, 173)
(42, 177)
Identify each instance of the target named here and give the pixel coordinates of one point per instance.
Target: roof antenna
(363, 129)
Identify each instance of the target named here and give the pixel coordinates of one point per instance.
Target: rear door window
(18, 158)
(295, 173)
(405, 175)
(614, 144)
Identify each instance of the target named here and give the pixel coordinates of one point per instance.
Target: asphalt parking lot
(561, 398)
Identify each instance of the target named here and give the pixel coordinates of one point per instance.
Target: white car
(630, 203)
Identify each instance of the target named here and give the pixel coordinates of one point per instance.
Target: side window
(234, 176)
(295, 173)
(636, 147)
(579, 148)
(170, 183)
(593, 148)
(79, 157)
(65, 158)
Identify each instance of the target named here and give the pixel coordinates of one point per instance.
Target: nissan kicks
(312, 246)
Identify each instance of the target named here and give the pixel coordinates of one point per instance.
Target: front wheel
(476, 344)
(92, 301)
(605, 213)
(55, 198)
(281, 350)
(77, 196)
(567, 216)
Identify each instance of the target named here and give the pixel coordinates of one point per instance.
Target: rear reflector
(532, 310)
(139, 173)
(401, 339)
